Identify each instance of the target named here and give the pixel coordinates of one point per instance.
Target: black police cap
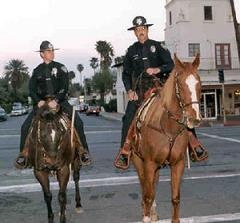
(46, 45)
(139, 21)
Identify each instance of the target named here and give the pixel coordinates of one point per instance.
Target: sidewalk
(205, 123)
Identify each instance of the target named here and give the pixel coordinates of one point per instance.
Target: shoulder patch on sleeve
(64, 69)
(163, 46)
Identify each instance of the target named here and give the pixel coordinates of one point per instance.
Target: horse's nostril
(196, 122)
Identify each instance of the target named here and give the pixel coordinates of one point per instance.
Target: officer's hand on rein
(132, 95)
(153, 71)
(52, 104)
(41, 103)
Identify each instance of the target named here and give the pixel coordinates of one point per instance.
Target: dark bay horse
(51, 151)
(163, 135)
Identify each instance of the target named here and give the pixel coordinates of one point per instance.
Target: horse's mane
(168, 90)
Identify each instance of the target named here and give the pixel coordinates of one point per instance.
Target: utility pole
(84, 88)
(236, 27)
(221, 80)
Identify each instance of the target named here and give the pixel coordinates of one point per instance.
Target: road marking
(86, 132)
(219, 137)
(205, 219)
(111, 181)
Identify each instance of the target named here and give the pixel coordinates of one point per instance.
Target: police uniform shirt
(49, 79)
(140, 56)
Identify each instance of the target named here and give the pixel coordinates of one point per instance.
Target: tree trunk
(237, 32)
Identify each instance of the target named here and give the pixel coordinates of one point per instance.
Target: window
(193, 49)
(223, 56)
(208, 13)
(170, 18)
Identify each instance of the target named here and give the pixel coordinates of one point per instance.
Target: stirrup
(119, 163)
(85, 159)
(196, 156)
(21, 165)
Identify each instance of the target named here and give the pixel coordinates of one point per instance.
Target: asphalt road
(210, 189)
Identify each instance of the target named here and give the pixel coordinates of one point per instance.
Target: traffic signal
(221, 75)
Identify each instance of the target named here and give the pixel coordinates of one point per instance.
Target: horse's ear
(196, 61)
(177, 62)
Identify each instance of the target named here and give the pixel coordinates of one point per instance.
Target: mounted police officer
(145, 61)
(49, 78)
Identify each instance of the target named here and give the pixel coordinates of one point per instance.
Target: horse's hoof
(146, 219)
(154, 217)
(79, 210)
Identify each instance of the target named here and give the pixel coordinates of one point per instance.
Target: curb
(110, 116)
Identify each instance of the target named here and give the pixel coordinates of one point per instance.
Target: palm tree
(106, 52)
(16, 73)
(236, 26)
(80, 69)
(94, 63)
(119, 60)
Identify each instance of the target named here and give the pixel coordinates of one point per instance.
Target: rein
(182, 121)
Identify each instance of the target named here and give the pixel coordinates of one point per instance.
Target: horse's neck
(169, 98)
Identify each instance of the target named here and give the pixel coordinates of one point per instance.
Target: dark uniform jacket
(139, 57)
(49, 80)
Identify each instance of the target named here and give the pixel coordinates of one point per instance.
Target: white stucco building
(121, 92)
(206, 26)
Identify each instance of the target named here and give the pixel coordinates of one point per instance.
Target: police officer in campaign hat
(145, 61)
(49, 78)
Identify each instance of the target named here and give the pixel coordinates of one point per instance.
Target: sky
(74, 26)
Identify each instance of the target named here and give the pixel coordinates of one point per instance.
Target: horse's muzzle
(193, 122)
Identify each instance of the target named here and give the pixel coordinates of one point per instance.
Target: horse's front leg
(76, 176)
(149, 189)
(154, 214)
(42, 178)
(63, 177)
(176, 176)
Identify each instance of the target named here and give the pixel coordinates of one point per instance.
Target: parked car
(18, 109)
(93, 110)
(3, 114)
(82, 107)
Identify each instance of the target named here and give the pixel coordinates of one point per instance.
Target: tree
(102, 82)
(106, 52)
(80, 69)
(236, 27)
(71, 75)
(16, 73)
(119, 60)
(94, 63)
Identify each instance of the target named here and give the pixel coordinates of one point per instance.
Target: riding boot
(85, 157)
(83, 151)
(196, 150)
(21, 161)
(122, 160)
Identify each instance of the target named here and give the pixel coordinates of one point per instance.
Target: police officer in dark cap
(49, 78)
(145, 59)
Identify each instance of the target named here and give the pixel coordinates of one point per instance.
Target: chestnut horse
(163, 135)
(49, 143)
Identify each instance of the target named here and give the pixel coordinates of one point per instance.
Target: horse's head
(50, 129)
(46, 113)
(188, 89)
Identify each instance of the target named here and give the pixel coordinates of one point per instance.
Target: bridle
(182, 104)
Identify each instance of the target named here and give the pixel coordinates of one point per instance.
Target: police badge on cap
(139, 21)
(46, 45)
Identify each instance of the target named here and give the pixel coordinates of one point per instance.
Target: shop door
(209, 105)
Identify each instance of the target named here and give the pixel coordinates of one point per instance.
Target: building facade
(206, 26)
(121, 92)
